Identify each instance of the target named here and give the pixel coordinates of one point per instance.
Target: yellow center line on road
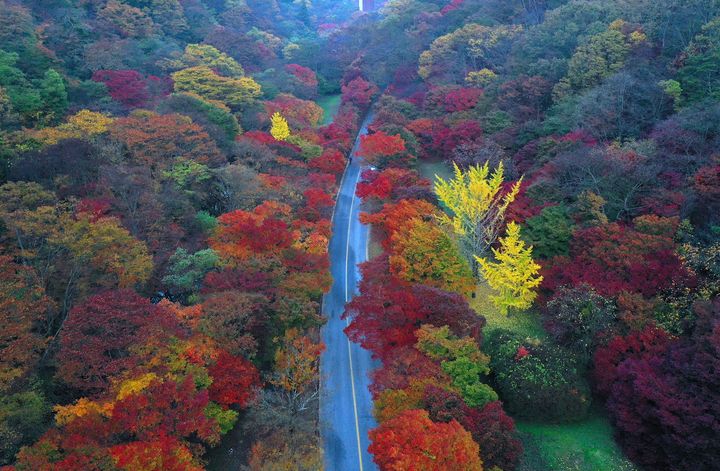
(347, 322)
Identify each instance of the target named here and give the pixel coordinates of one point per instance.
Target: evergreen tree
(54, 97)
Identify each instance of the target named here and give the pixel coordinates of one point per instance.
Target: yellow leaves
(425, 67)
(202, 80)
(476, 204)
(296, 362)
(84, 406)
(480, 78)
(637, 37)
(481, 45)
(208, 56)
(108, 247)
(82, 125)
(280, 129)
(421, 252)
(90, 122)
(134, 386)
(514, 275)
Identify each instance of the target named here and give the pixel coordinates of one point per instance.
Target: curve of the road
(345, 401)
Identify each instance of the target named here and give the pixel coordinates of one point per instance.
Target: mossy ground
(330, 105)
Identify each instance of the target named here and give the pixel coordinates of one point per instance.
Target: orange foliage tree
(159, 141)
(261, 232)
(394, 216)
(421, 252)
(413, 441)
(22, 310)
(376, 148)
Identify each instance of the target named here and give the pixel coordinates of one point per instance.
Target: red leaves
(125, 86)
(412, 441)
(707, 182)
(234, 381)
(95, 340)
(374, 186)
(664, 395)
(306, 76)
(446, 139)
(522, 352)
(331, 161)
(242, 234)
(162, 454)
(614, 258)
(166, 408)
(318, 205)
(373, 147)
(404, 364)
(359, 92)
(462, 99)
(494, 431)
(130, 88)
(390, 182)
(317, 199)
(649, 341)
(387, 312)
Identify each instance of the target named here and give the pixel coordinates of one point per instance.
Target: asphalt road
(345, 401)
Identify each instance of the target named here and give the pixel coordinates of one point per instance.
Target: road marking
(347, 245)
(347, 322)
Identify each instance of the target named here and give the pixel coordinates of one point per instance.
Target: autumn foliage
(241, 234)
(376, 147)
(413, 441)
(98, 335)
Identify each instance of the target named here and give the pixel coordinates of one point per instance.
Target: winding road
(345, 401)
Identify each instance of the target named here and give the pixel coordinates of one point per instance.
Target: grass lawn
(524, 323)
(581, 446)
(587, 445)
(430, 169)
(330, 105)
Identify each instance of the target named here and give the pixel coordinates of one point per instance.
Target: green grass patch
(525, 323)
(430, 169)
(582, 446)
(330, 105)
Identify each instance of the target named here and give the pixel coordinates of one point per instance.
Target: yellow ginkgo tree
(475, 206)
(280, 129)
(514, 275)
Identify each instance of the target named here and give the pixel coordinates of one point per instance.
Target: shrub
(537, 380)
(577, 316)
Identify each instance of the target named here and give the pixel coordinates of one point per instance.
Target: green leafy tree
(54, 96)
(24, 417)
(603, 55)
(699, 75)
(187, 270)
(549, 232)
(461, 359)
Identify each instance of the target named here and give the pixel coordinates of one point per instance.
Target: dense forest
(542, 183)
